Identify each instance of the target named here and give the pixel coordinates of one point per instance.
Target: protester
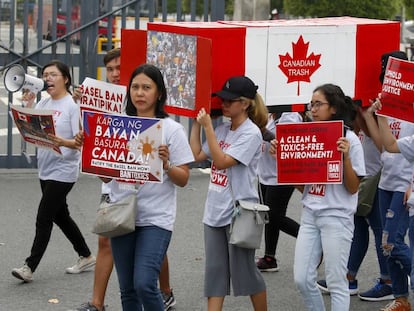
(327, 218)
(275, 196)
(104, 260)
(234, 148)
(396, 178)
(57, 174)
(138, 256)
(382, 289)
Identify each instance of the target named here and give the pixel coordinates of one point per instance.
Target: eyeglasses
(52, 75)
(228, 102)
(316, 105)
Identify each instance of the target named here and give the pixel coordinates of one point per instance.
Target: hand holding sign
(310, 152)
(397, 94)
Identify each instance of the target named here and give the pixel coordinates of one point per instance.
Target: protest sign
(35, 125)
(102, 96)
(122, 147)
(397, 94)
(184, 60)
(307, 152)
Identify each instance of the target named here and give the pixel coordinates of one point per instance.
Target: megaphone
(15, 79)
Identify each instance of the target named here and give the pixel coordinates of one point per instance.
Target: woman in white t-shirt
(138, 255)
(57, 174)
(396, 178)
(274, 195)
(327, 222)
(234, 148)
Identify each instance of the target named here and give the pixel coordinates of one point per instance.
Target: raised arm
(372, 127)
(195, 142)
(221, 160)
(351, 179)
(388, 140)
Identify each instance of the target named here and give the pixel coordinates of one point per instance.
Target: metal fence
(77, 32)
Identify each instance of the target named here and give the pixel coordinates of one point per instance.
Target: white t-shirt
(334, 199)
(106, 188)
(372, 156)
(157, 202)
(267, 163)
(65, 167)
(406, 146)
(397, 172)
(244, 145)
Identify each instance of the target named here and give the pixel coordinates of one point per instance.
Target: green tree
(380, 9)
(186, 6)
(409, 9)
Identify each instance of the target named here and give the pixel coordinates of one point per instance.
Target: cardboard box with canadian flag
(287, 59)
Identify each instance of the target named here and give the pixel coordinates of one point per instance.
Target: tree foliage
(379, 9)
(186, 6)
(409, 9)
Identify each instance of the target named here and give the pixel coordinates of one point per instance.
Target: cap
(236, 87)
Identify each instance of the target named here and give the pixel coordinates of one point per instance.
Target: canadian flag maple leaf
(300, 67)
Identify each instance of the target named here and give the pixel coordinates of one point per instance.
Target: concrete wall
(245, 10)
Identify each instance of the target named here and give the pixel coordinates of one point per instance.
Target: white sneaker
(24, 273)
(82, 264)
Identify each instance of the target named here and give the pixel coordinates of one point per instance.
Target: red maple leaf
(300, 67)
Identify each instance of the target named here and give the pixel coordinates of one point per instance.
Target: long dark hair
(64, 70)
(345, 109)
(155, 75)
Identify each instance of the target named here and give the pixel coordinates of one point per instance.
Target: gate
(33, 32)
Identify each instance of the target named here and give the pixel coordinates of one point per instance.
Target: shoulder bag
(366, 194)
(116, 218)
(248, 220)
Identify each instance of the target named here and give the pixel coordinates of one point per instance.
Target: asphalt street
(53, 290)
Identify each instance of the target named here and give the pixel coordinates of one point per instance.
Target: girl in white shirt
(57, 174)
(235, 149)
(327, 222)
(138, 255)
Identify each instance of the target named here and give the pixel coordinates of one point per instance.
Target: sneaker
(169, 300)
(380, 291)
(398, 305)
(81, 265)
(320, 262)
(321, 284)
(24, 273)
(87, 306)
(353, 287)
(267, 264)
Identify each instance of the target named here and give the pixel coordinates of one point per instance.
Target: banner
(102, 96)
(307, 152)
(35, 125)
(397, 94)
(122, 147)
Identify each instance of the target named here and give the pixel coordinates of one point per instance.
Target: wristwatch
(169, 166)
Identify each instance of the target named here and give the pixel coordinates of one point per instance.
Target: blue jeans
(360, 241)
(395, 219)
(333, 236)
(411, 238)
(138, 257)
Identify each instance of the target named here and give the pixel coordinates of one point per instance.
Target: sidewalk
(20, 195)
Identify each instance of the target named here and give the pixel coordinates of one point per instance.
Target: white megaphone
(15, 79)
